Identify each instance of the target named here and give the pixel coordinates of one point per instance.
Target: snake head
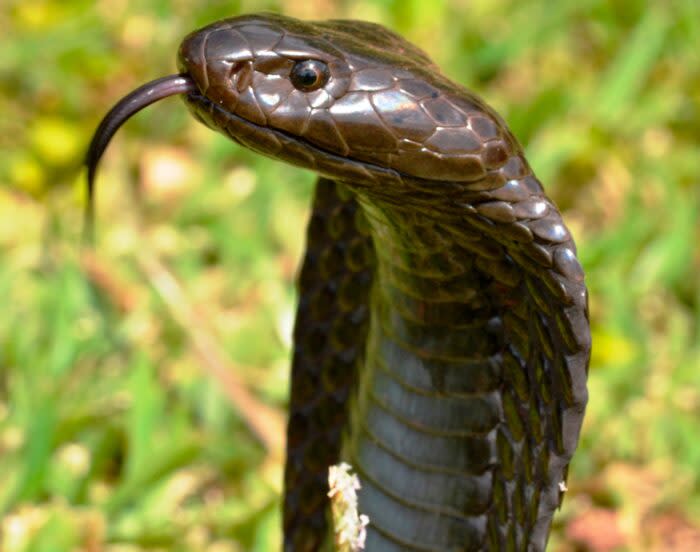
(350, 100)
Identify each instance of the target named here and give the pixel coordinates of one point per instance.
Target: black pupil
(309, 74)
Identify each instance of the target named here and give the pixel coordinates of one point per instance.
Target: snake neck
(429, 295)
(428, 403)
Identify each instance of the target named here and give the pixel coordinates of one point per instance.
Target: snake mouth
(285, 146)
(125, 108)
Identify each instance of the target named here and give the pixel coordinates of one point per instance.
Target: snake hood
(320, 94)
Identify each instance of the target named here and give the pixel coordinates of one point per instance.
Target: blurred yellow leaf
(612, 349)
(26, 175)
(36, 15)
(56, 141)
(138, 30)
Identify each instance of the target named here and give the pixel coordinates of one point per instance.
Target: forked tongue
(130, 104)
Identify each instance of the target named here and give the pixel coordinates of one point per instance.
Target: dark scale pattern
(467, 342)
(470, 401)
(451, 371)
(329, 335)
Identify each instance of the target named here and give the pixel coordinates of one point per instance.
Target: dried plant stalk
(349, 526)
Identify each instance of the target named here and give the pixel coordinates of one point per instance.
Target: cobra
(442, 342)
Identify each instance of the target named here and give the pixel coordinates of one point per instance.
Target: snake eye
(309, 74)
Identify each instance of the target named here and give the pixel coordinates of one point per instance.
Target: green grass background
(116, 436)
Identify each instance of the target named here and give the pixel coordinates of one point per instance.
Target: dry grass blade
(265, 422)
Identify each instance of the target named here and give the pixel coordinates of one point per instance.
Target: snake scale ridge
(442, 342)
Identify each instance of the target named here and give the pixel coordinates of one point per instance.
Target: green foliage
(112, 434)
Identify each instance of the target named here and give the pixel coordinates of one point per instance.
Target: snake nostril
(241, 75)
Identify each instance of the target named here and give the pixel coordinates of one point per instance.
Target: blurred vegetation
(117, 430)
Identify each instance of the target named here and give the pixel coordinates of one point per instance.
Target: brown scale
(328, 336)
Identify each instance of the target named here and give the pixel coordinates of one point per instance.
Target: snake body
(441, 344)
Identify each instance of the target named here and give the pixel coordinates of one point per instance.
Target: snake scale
(442, 341)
